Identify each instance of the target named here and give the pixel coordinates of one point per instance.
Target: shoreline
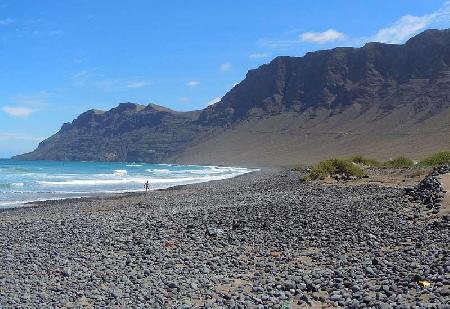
(111, 195)
(258, 239)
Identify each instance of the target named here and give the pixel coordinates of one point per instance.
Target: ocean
(28, 181)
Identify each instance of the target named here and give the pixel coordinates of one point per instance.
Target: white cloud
(408, 25)
(184, 99)
(6, 21)
(136, 84)
(214, 101)
(398, 32)
(80, 78)
(258, 55)
(116, 84)
(277, 44)
(18, 111)
(193, 83)
(89, 78)
(23, 106)
(329, 35)
(225, 66)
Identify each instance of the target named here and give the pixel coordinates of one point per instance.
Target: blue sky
(60, 58)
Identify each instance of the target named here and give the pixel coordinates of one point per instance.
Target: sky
(61, 58)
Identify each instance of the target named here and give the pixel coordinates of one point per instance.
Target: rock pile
(430, 191)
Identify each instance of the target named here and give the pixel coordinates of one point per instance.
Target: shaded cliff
(376, 74)
(129, 132)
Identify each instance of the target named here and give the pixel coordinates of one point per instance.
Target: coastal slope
(379, 100)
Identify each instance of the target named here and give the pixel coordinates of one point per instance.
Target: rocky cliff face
(367, 86)
(375, 75)
(129, 132)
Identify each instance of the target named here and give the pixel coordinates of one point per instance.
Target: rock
(335, 297)
(370, 271)
(66, 272)
(289, 285)
(384, 306)
(214, 232)
(445, 291)
(172, 285)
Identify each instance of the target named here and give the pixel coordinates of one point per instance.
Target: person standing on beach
(146, 186)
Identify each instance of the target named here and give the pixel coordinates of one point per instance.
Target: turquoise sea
(26, 181)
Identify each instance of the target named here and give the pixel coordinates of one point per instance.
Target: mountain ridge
(355, 89)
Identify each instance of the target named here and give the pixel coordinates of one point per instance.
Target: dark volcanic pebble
(263, 240)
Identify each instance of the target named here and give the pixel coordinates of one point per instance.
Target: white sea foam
(90, 182)
(137, 180)
(120, 172)
(75, 180)
(159, 171)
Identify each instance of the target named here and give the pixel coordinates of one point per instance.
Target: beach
(260, 240)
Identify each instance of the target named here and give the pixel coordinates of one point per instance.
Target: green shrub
(364, 161)
(399, 162)
(335, 166)
(439, 158)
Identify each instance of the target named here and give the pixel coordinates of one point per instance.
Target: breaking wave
(24, 181)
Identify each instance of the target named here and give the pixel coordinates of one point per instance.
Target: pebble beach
(260, 240)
